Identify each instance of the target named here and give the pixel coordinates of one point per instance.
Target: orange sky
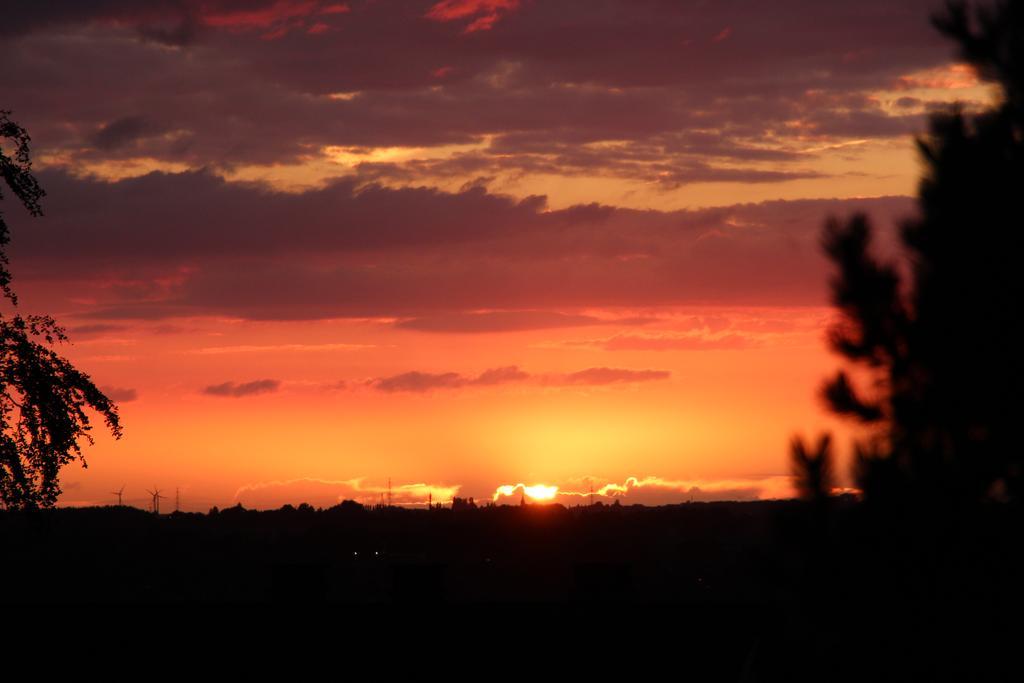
(719, 421)
(311, 246)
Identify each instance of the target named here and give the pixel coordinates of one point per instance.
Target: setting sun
(540, 492)
(536, 492)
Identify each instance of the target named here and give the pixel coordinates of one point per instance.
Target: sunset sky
(309, 246)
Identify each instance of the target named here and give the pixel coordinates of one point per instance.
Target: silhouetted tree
(463, 504)
(939, 378)
(813, 469)
(43, 397)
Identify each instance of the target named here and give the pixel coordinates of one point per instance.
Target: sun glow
(536, 492)
(540, 492)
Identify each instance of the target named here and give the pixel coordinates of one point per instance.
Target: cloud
(661, 160)
(509, 321)
(604, 376)
(239, 390)
(329, 492)
(95, 329)
(669, 341)
(464, 261)
(612, 88)
(278, 348)
(534, 492)
(123, 132)
(649, 491)
(503, 375)
(176, 22)
(730, 329)
(422, 382)
(270, 16)
(120, 395)
(483, 13)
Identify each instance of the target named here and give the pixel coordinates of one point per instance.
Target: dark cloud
(123, 132)
(423, 382)
(145, 218)
(503, 375)
(668, 170)
(95, 329)
(420, 382)
(190, 244)
(509, 321)
(170, 20)
(172, 33)
(252, 82)
(603, 376)
(120, 395)
(239, 390)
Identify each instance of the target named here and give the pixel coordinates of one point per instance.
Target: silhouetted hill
(347, 554)
(738, 582)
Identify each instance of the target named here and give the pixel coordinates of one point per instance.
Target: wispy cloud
(650, 490)
(477, 322)
(119, 394)
(421, 382)
(327, 492)
(238, 390)
(278, 348)
(672, 341)
(603, 376)
(481, 14)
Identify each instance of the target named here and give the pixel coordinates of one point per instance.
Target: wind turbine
(156, 499)
(118, 494)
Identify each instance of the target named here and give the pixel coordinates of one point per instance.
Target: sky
(478, 248)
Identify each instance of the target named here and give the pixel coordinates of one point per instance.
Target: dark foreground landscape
(763, 588)
(698, 553)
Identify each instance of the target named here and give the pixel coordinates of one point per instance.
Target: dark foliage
(936, 345)
(44, 398)
(921, 580)
(813, 469)
(16, 171)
